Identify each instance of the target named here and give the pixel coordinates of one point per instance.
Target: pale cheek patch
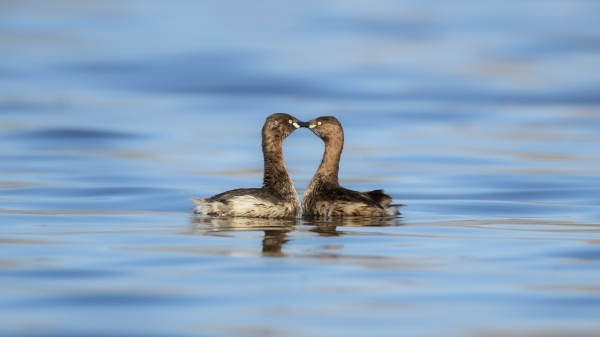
(312, 126)
(296, 125)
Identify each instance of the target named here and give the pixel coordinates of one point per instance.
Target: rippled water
(482, 117)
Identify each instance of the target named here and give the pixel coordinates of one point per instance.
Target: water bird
(277, 198)
(324, 195)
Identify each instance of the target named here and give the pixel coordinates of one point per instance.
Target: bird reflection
(275, 230)
(274, 240)
(329, 226)
(349, 221)
(325, 230)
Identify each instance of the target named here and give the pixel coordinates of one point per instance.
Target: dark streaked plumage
(277, 198)
(324, 195)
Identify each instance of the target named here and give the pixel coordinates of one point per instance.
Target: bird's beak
(303, 124)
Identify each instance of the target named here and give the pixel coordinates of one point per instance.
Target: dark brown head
(327, 128)
(279, 126)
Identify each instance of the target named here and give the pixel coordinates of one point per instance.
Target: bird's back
(248, 202)
(339, 201)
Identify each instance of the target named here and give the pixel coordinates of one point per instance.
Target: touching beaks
(302, 124)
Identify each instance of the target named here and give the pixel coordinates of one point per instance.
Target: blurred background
(476, 115)
(437, 99)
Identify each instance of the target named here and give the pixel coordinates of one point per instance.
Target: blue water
(482, 117)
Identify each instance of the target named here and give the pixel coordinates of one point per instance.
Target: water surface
(483, 118)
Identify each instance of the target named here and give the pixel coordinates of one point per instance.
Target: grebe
(324, 195)
(277, 198)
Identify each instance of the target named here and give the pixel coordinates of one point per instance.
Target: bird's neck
(330, 165)
(276, 177)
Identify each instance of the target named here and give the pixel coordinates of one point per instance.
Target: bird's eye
(290, 121)
(318, 123)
